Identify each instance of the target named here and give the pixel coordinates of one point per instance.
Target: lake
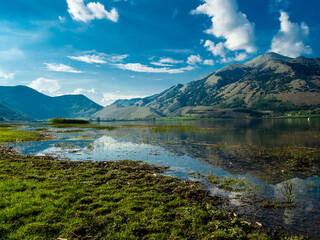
(267, 154)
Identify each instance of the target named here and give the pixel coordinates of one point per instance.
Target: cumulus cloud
(138, 67)
(215, 49)
(208, 62)
(289, 41)
(194, 60)
(237, 58)
(93, 10)
(61, 68)
(44, 85)
(230, 24)
(99, 58)
(6, 76)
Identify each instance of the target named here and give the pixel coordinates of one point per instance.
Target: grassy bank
(11, 134)
(43, 198)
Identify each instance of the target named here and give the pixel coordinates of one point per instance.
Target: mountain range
(269, 84)
(22, 103)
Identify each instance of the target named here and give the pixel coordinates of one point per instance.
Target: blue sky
(111, 49)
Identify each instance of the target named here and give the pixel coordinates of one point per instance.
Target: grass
(74, 125)
(287, 190)
(177, 128)
(68, 121)
(43, 198)
(170, 128)
(231, 184)
(9, 134)
(293, 159)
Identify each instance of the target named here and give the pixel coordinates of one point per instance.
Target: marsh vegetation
(45, 198)
(240, 166)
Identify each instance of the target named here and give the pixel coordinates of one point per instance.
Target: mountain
(268, 84)
(31, 104)
(118, 112)
(8, 115)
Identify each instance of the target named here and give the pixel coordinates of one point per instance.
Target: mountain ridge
(34, 105)
(270, 84)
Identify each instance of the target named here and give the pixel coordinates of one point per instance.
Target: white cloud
(208, 62)
(44, 85)
(12, 54)
(6, 76)
(99, 58)
(289, 41)
(116, 58)
(109, 98)
(93, 94)
(93, 10)
(161, 64)
(62, 19)
(194, 60)
(230, 24)
(216, 49)
(84, 91)
(165, 62)
(238, 58)
(61, 68)
(170, 61)
(138, 67)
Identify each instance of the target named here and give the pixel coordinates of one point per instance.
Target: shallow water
(190, 147)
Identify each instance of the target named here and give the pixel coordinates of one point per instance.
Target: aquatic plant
(287, 190)
(231, 184)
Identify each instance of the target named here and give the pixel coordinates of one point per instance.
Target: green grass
(296, 159)
(231, 184)
(68, 121)
(167, 128)
(83, 126)
(9, 134)
(43, 198)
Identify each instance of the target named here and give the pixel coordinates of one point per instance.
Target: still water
(193, 150)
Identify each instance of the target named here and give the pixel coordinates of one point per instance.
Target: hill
(268, 84)
(8, 115)
(119, 112)
(34, 105)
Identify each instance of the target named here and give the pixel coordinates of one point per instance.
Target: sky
(120, 49)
